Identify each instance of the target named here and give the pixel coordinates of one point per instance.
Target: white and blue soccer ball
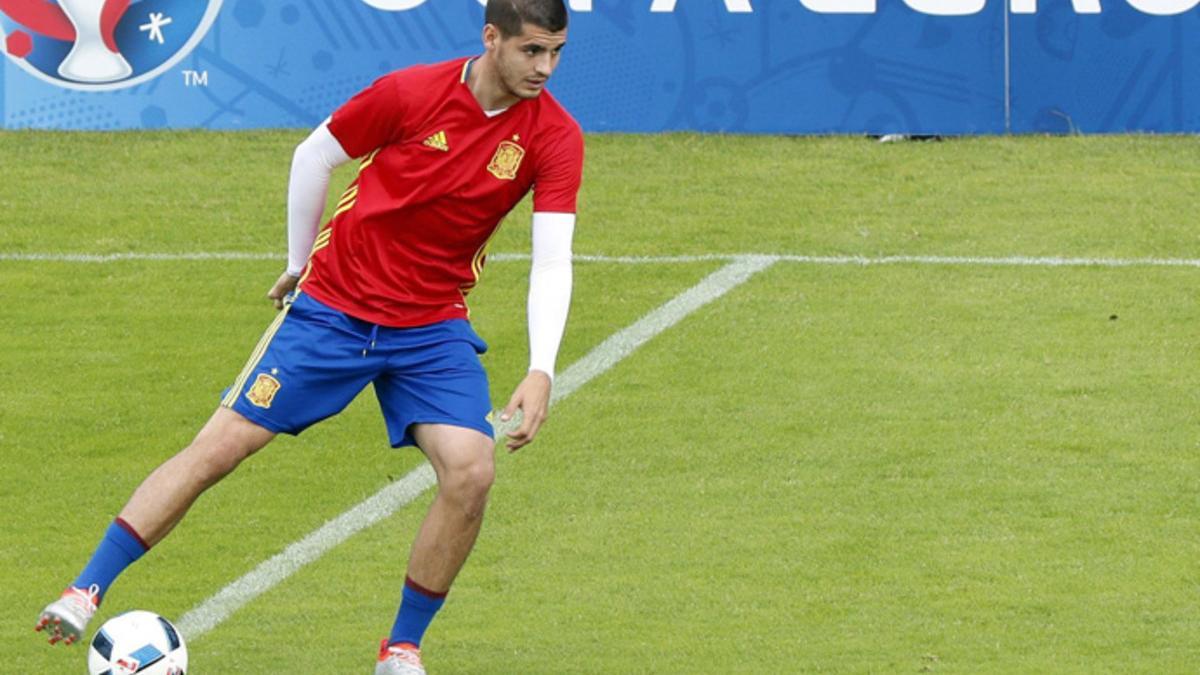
(137, 642)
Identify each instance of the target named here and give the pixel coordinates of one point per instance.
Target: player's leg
(157, 505)
(161, 501)
(308, 366)
(464, 462)
(436, 397)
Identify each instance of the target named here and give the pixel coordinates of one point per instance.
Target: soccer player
(379, 296)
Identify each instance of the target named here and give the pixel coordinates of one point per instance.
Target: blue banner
(752, 66)
(1115, 71)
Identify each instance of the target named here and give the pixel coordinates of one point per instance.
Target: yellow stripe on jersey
(343, 209)
(350, 196)
(321, 241)
(318, 245)
(255, 357)
(304, 276)
(368, 159)
(466, 69)
(350, 193)
(477, 264)
(477, 261)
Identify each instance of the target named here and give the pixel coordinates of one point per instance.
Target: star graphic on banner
(723, 36)
(157, 21)
(280, 67)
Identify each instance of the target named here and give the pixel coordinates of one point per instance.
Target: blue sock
(417, 609)
(120, 547)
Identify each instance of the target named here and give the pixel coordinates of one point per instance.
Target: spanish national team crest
(262, 394)
(507, 160)
(101, 45)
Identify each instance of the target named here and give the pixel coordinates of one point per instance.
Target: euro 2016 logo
(101, 45)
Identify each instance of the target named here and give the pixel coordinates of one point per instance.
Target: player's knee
(213, 459)
(469, 484)
(212, 467)
(221, 445)
(478, 477)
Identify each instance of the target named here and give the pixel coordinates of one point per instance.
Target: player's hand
(286, 284)
(532, 397)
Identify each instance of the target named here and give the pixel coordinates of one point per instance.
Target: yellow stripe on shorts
(255, 357)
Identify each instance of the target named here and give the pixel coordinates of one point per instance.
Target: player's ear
(491, 37)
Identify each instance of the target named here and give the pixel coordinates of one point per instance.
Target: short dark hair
(510, 16)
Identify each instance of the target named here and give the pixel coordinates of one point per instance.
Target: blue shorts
(313, 360)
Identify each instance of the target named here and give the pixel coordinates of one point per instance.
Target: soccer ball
(137, 642)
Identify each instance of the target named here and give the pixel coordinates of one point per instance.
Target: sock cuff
(128, 538)
(410, 585)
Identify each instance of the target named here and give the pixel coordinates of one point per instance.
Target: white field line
(210, 613)
(99, 258)
(986, 261)
(1008, 261)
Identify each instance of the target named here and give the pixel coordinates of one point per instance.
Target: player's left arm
(556, 189)
(550, 280)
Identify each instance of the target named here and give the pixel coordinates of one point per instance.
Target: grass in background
(1089, 196)
(833, 469)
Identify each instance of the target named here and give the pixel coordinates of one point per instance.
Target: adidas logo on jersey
(438, 141)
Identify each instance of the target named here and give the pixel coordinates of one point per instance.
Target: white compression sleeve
(312, 165)
(550, 279)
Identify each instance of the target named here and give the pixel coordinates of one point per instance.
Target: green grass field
(835, 468)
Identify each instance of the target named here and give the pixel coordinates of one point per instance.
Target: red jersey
(409, 237)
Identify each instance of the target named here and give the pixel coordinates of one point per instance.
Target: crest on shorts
(264, 390)
(507, 160)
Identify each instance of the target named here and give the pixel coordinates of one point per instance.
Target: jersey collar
(466, 73)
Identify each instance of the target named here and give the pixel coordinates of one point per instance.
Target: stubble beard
(514, 83)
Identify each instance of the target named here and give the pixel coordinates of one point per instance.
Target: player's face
(526, 61)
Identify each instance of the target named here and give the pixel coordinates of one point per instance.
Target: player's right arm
(371, 119)
(313, 164)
